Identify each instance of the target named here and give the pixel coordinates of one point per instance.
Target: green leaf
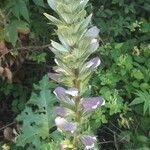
(11, 32)
(23, 9)
(50, 146)
(39, 58)
(38, 121)
(136, 101)
(22, 26)
(13, 28)
(118, 45)
(137, 74)
(39, 2)
(143, 97)
(145, 26)
(115, 1)
(142, 139)
(16, 11)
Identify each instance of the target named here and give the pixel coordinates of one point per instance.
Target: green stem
(77, 108)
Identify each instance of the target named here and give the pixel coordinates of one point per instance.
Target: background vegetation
(123, 78)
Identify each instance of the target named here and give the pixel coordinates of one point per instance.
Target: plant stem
(77, 107)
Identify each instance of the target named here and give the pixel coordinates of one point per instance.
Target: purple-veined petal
(93, 63)
(88, 141)
(72, 91)
(92, 32)
(54, 76)
(90, 104)
(62, 96)
(63, 125)
(60, 93)
(70, 126)
(63, 112)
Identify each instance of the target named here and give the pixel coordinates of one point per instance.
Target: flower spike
(77, 40)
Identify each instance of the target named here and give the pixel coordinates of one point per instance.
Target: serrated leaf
(37, 122)
(43, 85)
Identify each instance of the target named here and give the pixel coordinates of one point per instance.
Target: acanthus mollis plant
(77, 42)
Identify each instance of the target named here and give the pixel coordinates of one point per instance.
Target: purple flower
(92, 32)
(63, 112)
(63, 125)
(91, 65)
(54, 76)
(88, 141)
(60, 93)
(90, 104)
(63, 96)
(72, 91)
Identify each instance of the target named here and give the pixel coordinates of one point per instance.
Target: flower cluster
(77, 43)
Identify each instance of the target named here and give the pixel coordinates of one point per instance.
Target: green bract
(77, 42)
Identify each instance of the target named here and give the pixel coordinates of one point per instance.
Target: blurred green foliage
(124, 75)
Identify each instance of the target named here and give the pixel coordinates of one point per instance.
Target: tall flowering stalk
(77, 43)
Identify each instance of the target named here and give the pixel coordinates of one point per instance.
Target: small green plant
(37, 118)
(77, 43)
(143, 97)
